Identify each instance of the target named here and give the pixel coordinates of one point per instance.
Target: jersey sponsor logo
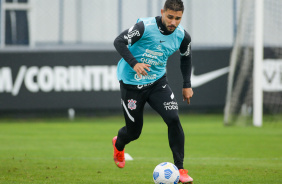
(149, 56)
(154, 53)
(151, 62)
(170, 105)
(150, 77)
(132, 104)
(58, 79)
(187, 53)
(131, 34)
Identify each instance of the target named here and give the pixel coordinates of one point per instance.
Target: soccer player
(145, 48)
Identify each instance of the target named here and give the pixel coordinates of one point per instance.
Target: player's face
(171, 19)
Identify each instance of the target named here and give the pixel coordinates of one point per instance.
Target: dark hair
(175, 5)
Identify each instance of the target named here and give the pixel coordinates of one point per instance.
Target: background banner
(85, 80)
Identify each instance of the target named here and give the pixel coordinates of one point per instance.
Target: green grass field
(80, 151)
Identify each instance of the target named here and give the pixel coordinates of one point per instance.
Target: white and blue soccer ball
(166, 173)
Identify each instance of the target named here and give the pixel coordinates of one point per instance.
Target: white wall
(210, 23)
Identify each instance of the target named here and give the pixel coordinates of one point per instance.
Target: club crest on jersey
(131, 104)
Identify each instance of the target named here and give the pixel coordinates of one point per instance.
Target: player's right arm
(129, 37)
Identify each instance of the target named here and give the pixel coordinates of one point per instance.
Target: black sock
(119, 146)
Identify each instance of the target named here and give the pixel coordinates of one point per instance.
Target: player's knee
(135, 136)
(172, 120)
(134, 133)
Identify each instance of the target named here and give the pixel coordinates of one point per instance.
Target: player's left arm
(186, 67)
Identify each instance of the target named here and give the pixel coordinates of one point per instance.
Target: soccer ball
(166, 173)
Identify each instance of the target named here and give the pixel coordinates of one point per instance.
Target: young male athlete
(145, 48)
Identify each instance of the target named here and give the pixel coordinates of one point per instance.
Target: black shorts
(158, 95)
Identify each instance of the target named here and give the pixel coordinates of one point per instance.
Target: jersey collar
(161, 27)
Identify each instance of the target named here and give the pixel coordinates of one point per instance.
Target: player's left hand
(187, 94)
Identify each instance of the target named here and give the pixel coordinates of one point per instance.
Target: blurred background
(95, 22)
(57, 56)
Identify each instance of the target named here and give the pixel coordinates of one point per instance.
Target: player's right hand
(140, 69)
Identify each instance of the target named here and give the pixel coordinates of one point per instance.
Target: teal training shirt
(153, 48)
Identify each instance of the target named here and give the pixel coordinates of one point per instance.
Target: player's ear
(162, 12)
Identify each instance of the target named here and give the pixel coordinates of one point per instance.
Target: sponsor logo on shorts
(170, 105)
(144, 85)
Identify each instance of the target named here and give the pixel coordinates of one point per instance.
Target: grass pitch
(80, 151)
